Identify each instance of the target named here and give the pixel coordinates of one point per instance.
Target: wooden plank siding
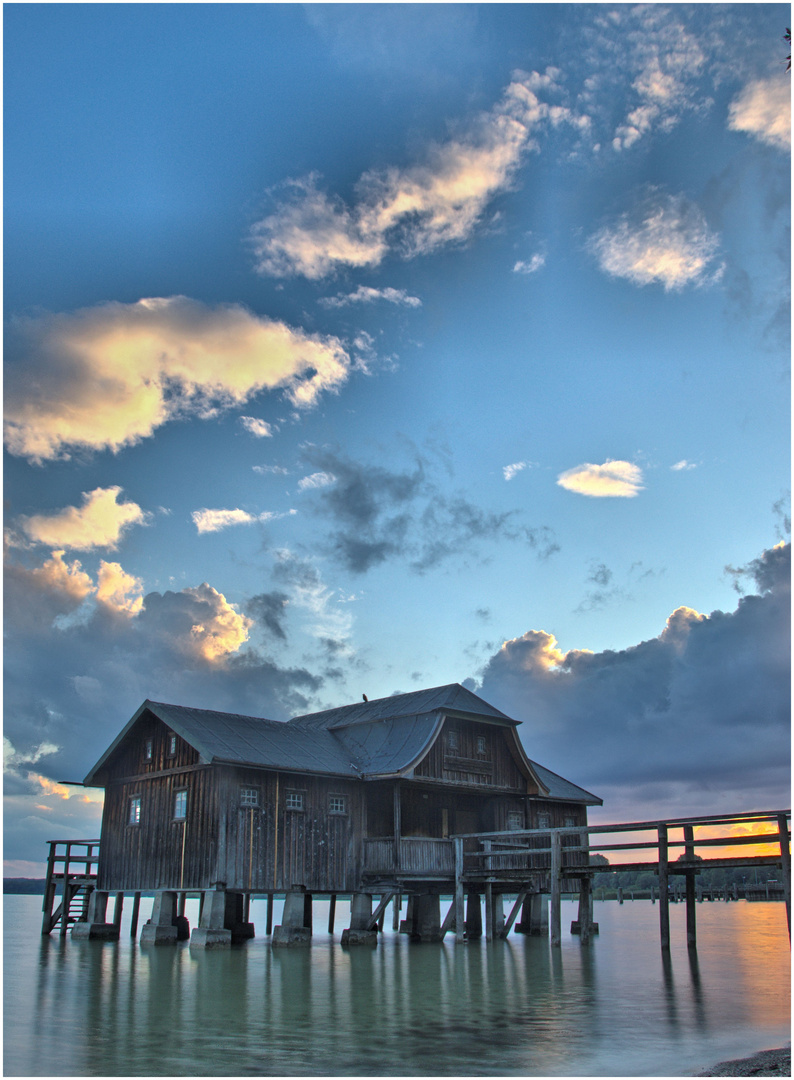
(473, 754)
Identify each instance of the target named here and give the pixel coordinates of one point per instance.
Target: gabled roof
(453, 699)
(387, 737)
(244, 740)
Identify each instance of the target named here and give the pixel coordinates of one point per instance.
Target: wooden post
(585, 919)
(49, 891)
(556, 894)
(785, 865)
(307, 911)
(514, 911)
(620, 894)
(331, 913)
(136, 908)
(664, 899)
(269, 924)
(460, 918)
(691, 916)
(397, 825)
(473, 916)
(395, 916)
(118, 907)
(67, 891)
(488, 912)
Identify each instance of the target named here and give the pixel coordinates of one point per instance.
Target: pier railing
(503, 858)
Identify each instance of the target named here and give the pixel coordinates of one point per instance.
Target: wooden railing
(71, 865)
(417, 855)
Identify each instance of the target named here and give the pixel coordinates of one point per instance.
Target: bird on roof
(365, 697)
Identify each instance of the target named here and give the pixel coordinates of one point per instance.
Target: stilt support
(293, 931)
(96, 926)
(359, 932)
(161, 928)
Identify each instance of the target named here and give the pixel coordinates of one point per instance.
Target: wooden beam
(136, 907)
(331, 913)
(664, 899)
(488, 912)
(449, 921)
(691, 916)
(385, 900)
(460, 918)
(785, 864)
(555, 912)
(514, 912)
(397, 824)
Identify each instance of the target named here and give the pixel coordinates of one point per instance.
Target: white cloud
(260, 429)
(365, 294)
(612, 479)
(316, 480)
(276, 470)
(511, 470)
(100, 522)
(12, 758)
(681, 466)
(106, 377)
(415, 209)
(763, 109)
(537, 262)
(664, 239)
(208, 521)
(66, 583)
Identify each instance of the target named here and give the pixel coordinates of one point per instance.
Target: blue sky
(364, 348)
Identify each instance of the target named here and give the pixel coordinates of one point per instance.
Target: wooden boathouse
(359, 800)
(409, 797)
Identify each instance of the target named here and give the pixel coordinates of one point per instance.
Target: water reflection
(618, 1006)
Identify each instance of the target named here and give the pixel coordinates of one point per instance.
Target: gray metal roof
(376, 738)
(452, 699)
(560, 788)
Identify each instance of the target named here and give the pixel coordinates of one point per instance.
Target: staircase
(71, 864)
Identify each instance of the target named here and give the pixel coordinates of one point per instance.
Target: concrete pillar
(212, 932)
(96, 925)
(428, 918)
(161, 929)
(534, 916)
(498, 915)
(293, 932)
(358, 933)
(473, 916)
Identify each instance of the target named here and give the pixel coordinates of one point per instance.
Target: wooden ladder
(71, 865)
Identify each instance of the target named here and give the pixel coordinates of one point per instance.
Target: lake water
(614, 1007)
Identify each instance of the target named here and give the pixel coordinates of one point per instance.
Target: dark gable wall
(457, 757)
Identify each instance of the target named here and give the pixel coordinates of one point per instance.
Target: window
(180, 805)
(148, 752)
(135, 811)
(569, 823)
(337, 804)
(172, 745)
(452, 742)
(249, 796)
(544, 821)
(515, 819)
(294, 800)
(482, 746)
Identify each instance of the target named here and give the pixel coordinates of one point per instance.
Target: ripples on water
(612, 1008)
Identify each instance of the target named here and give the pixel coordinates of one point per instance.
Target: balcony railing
(417, 855)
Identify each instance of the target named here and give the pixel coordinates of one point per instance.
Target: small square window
(452, 742)
(172, 745)
(569, 823)
(249, 796)
(482, 746)
(294, 800)
(337, 804)
(515, 819)
(544, 821)
(180, 805)
(148, 751)
(135, 811)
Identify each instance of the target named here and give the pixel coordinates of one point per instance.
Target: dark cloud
(269, 609)
(383, 515)
(697, 717)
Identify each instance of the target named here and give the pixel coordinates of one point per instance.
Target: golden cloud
(119, 591)
(100, 522)
(67, 580)
(106, 377)
(612, 479)
(223, 631)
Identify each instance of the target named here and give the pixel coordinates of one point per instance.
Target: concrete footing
(165, 927)
(220, 921)
(96, 927)
(359, 933)
(293, 931)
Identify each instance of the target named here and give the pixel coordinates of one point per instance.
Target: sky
(358, 349)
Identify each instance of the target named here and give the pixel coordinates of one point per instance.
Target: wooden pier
(530, 865)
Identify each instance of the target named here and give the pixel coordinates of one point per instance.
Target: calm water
(613, 1008)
